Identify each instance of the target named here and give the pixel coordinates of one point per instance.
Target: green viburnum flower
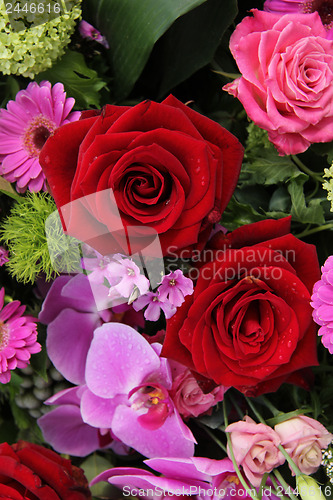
(37, 244)
(31, 41)
(328, 185)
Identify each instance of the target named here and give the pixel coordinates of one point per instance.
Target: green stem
(307, 232)
(269, 405)
(290, 460)
(276, 489)
(248, 488)
(214, 438)
(306, 169)
(311, 195)
(285, 485)
(239, 411)
(255, 411)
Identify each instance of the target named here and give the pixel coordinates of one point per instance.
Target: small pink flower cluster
(256, 446)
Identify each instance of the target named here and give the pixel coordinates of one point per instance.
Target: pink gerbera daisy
(24, 127)
(323, 7)
(18, 338)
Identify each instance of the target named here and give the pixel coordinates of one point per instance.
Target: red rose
(248, 323)
(169, 167)
(30, 471)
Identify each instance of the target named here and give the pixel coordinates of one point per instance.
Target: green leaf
(21, 417)
(238, 214)
(262, 163)
(280, 200)
(79, 81)
(215, 420)
(311, 214)
(192, 40)
(132, 27)
(8, 90)
(269, 170)
(92, 466)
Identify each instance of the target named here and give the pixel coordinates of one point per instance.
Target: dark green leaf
(79, 81)
(192, 40)
(21, 417)
(214, 420)
(311, 214)
(269, 170)
(238, 214)
(280, 200)
(132, 27)
(92, 466)
(8, 90)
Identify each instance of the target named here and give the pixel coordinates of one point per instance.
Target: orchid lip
(152, 403)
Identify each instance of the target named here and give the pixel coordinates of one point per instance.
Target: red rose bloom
(29, 471)
(169, 168)
(248, 323)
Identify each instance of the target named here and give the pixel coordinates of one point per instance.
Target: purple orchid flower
(127, 391)
(71, 314)
(64, 429)
(197, 477)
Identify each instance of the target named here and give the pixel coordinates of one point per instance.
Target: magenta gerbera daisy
(18, 337)
(323, 7)
(322, 303)
(24, 128)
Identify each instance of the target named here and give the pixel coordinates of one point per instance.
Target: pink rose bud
(303, 438)
(193, 398)
(255, 447)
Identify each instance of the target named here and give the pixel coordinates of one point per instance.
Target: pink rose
(255, 448)
(286, 85)
(304, 438)
(192, 397)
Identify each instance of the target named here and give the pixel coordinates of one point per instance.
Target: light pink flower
(286, 85)
(124, 277)
(18, 338)
(155, 305)
(175, 287)
(193, 398)
(24, 128)
(255, 448)
(304, 438)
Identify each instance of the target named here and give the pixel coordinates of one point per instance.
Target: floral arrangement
(166, 259)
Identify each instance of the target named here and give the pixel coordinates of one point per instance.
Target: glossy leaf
(79, 81)
(132, 27)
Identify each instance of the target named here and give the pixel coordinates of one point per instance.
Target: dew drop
(289, 343)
